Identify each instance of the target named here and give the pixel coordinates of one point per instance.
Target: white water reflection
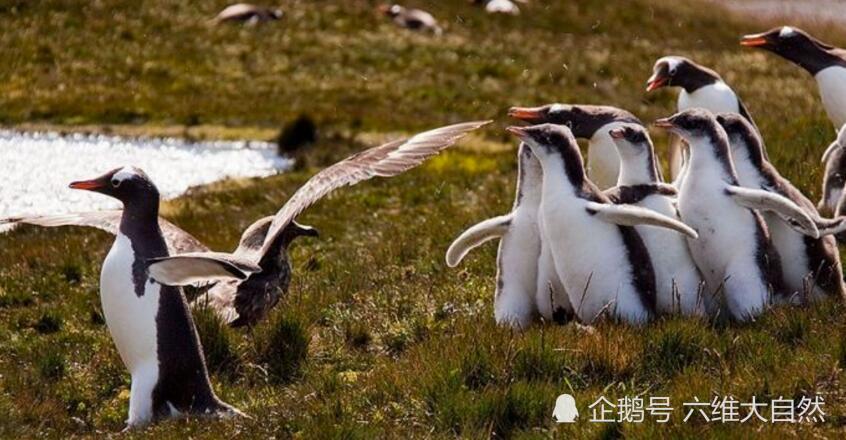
(35, 168)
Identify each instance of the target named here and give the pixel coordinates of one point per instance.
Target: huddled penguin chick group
(761, 241)
(740, 237)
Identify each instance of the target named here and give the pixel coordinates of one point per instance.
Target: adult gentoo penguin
(734, 252)
(246, 301)
(599, 257)
(150, 323)
(834, 159)
(519, 246)
(591, 122)
(811, 266)
(825, 62)
(265, 243)
(678, 283)
(701, 87)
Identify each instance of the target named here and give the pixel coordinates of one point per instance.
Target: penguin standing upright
(811, 265)
(515, 300)
(591, 122)
(826, 63)
(678, 282)
(701, 87)
(600, 259)
(735, 253)
(150, 323)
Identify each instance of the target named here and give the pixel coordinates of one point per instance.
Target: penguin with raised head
(825, 62)
(518, 257)
(151, 323)
(811, 266)
(834, 178)
(701, 87)
(735, 253)
(591, 122)
(678, 282)
(600, 259)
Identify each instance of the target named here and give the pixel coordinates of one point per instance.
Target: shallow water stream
(35, 168)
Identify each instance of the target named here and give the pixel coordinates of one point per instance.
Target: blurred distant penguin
(499, 6)
(414, 19)
(825, 62)
(248, 14)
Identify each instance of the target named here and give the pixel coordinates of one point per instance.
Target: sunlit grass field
(377, 338)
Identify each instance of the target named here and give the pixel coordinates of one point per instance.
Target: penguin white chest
(603, 159)
(717, 97)
(832, 84)
(131, 319)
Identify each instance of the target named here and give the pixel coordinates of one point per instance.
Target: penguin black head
(690, 124)
(128, 184)
(699, 128)
(742, 136)
(582, 120)
(545, 138)
(633, 144)
(794, 45)
(549, 139)
(674, 71)
(634, 136)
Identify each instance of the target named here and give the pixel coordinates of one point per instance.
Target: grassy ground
(377, 336)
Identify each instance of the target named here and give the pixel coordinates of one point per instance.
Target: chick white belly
(727, 234)
(832, 85)
(592, 263)
(131, 319)
(792, 250)
(517, 270)
(677, 280)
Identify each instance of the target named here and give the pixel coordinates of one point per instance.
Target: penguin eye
(115, 183)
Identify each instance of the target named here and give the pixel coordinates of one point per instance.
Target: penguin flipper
(827, 153)
(831, 226)
(476, 235)
(628, 215)
(199, 267)
(785, 208)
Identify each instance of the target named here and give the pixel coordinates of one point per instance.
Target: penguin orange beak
(89, 185)
(756, 40)
(527, 114)
(656, 82)
(517, 131)
(664, 123)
